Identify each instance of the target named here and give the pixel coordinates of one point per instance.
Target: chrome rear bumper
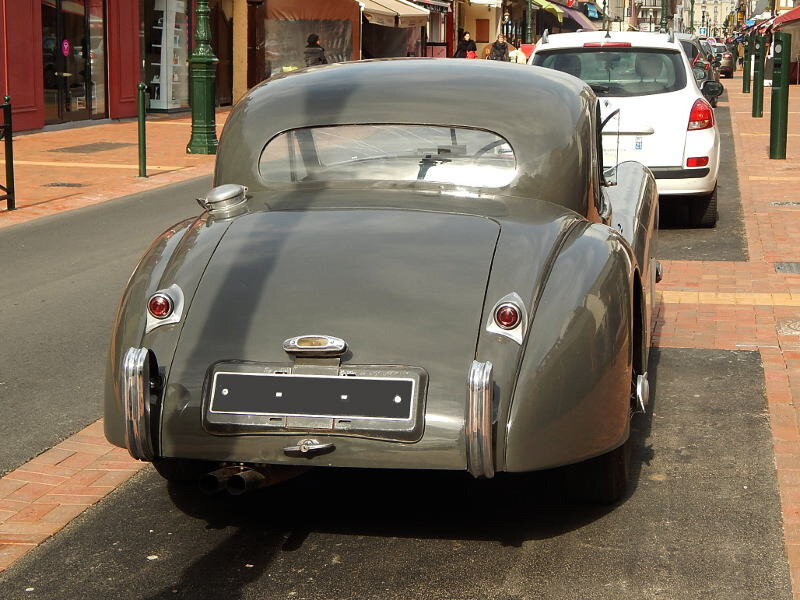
(140, 379)
(480, 459)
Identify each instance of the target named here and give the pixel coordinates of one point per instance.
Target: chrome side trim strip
(176, 295)
(480, 459)
(135, 386)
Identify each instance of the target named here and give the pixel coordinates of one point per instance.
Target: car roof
(637, 39)
(547, 141)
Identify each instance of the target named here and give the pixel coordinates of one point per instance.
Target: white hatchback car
(664, 122)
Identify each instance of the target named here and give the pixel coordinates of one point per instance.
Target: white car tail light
(701, 116)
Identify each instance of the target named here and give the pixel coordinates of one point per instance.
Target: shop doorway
(73, 52)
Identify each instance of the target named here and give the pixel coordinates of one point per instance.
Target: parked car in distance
(698, 59)
(657, 114)
(727, 63)
(379, 282)
(710, 56)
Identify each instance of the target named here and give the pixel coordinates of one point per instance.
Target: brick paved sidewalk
(750, 305)
(71, 168)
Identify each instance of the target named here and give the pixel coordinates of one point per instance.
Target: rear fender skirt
(572, 396)
(177, 257)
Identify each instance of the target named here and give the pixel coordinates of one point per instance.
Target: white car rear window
(620, 72)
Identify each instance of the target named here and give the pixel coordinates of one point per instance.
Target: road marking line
(750, 112)
(37, 163)
(739, 298)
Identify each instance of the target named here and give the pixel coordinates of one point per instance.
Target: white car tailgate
(652, 129)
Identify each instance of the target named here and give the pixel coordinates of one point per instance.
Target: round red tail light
(507, 315)
(160, 306)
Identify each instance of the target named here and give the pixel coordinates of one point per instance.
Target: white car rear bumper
(674, 181)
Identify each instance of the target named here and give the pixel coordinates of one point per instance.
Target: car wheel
(182, 470)
(603, 479)
(703, 210)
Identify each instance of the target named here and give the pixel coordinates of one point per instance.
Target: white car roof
(637, 39)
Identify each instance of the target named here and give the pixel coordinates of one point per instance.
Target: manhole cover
(787, 267)
(788, 326)
(62, 184)
(95, 147)
(786, 204)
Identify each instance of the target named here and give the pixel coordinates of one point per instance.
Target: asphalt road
(727, 240)
(702, 521)
(60, 282)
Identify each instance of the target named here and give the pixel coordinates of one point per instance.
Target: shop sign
(66, 47)
(591, 11)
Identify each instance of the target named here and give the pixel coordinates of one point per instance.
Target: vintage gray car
(398, 268)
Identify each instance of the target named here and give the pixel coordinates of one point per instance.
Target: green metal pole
(758, 78)
(663, 24)
(528, 19)
(748, 52)
(779, 108)
(202, 67)
(691, 17)
(11, 201)
(142, 130)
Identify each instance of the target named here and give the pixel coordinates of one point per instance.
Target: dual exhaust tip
(238, 480)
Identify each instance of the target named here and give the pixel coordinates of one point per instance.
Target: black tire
(601, 480)
(703, 210)
(182, 470)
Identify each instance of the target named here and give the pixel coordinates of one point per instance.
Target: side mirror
(712, 89)
(699, 73)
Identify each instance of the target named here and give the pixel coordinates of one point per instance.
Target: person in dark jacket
(499, 50)
(313, 53)
(465, 44)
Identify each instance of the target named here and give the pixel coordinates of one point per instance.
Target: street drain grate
(788, 326)
(787, 267)
(785, 203)
(62, 184)
(94, 147)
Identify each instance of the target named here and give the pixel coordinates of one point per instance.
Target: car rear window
(455, 155)
(620, 72)
(690, 49)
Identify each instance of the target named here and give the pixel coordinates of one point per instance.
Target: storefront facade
(70, 60)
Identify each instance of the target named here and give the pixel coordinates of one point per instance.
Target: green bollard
(746, 65)
(779, 109)
(758, 78)
(142, 130)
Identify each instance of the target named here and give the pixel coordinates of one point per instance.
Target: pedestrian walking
(466, 47)
(740, 51)
(313, 53)
(499, 50)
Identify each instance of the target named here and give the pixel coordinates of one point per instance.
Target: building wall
(22, 52)
(468, 20)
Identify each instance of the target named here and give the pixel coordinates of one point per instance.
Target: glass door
(65, 47)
